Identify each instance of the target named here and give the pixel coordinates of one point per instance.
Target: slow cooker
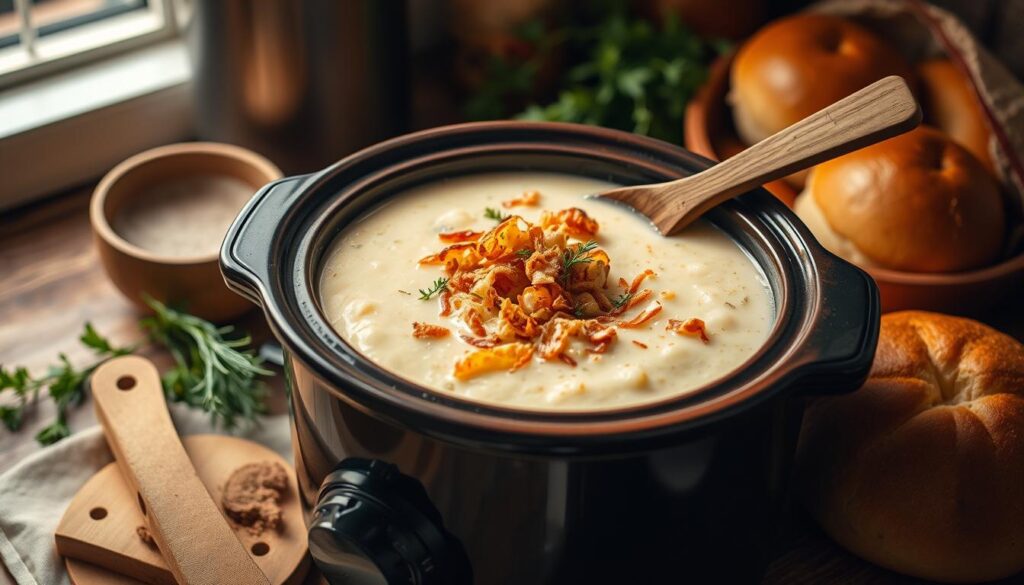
(404, 485)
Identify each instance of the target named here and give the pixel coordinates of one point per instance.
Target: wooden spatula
(879, 111)
(192, 535)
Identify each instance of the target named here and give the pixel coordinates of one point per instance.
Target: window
(39, 37)
(83, 81)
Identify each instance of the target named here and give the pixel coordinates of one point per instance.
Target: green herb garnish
(64, 383)
(622, 300)
(439, 285)
(624, 72)
(577, 310)
(571, 258)
(524, 253)
(213, 370)
(495, 214)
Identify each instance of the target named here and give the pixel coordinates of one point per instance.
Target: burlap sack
(920, 31)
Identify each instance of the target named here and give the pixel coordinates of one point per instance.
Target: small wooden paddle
(192, 535)
(879, 111)
(100, 525)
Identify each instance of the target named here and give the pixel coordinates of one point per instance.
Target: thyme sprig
(495, 214)
(439, 285)
(571, 257)
(622, 300)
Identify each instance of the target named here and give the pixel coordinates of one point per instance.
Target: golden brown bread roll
(798, 65)
(918, 202)
(951, 105)
(922, 469)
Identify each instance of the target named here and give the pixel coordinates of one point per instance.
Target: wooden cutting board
(100, 525)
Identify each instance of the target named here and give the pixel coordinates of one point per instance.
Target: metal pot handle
(250, 248)
(844, 330)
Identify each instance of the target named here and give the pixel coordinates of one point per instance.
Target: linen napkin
(35, 492)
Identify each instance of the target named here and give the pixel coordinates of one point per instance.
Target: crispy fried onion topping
(462, 236)
(691, 327)
(528, 199)
(509, 357)
(523, 290)
(426, 330)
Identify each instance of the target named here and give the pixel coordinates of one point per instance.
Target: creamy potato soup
(514, 289)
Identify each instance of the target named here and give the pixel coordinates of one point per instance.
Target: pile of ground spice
(252, 496)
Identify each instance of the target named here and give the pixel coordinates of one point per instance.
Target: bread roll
(796, 66)
(922, 469)
(950, 103)
(918, 202)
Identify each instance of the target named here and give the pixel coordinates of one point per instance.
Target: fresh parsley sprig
(214, 370)
(572, 257)
(64, 383)
(625, 72)
(439, 285)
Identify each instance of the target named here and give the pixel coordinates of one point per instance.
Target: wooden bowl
(191, 282)
(709, 131)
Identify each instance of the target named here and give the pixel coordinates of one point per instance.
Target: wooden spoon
(194, 538)
(879, 111)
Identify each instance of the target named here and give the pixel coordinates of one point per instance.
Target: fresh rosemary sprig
(622, 300)
(495, 214)
(439, 285)
(571, 258)
(213, 371)
(64, 383)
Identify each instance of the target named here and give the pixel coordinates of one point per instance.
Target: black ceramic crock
(405, 485)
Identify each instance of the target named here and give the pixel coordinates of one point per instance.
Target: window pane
(8, 24)
(52, 16)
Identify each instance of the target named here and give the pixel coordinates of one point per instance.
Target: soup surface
(512, 288)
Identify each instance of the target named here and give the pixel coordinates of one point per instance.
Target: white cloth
(35, 493)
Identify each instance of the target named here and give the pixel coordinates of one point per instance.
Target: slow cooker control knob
(372, 525)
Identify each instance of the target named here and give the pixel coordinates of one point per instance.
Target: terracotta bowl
(192, 282)
(709, 131)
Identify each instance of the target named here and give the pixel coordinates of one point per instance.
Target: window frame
(37, 56)
(68, 119)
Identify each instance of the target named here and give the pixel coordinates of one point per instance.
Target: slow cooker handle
(836, 354)
(248, 251)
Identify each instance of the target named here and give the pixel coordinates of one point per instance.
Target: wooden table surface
(52, 283)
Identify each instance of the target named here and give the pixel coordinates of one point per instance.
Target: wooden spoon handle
(879, 111)
(194, 538)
